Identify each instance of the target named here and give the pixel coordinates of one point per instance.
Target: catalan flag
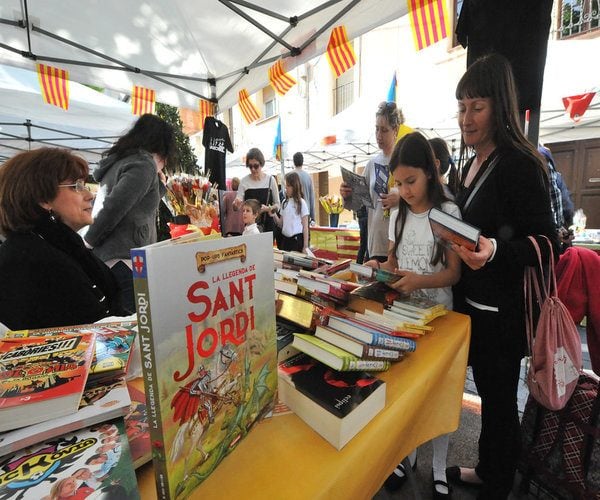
(278, 143)
(54, 83)
(429, 21)
(142, 100)
(340, 53)
(207, 108)
(280, 80)
(247, 107)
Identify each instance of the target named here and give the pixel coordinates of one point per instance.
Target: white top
(291, 221)
(417, 246)
(377, 241)
(251, 229)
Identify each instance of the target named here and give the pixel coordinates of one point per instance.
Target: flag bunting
(54, 83)
(278, 143)
(142, 100)
(340, 53)
(429, 21)
(576, 105)
(207, 108)
(247, 107)
(280, 80)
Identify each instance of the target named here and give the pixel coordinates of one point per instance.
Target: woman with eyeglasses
(131, 185)
(259, 186)
(388, 119)
(48, 277)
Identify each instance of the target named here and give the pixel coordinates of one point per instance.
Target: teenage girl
(293, 219)
(423, 263)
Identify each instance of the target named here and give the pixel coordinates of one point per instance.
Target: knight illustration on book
(197, 403)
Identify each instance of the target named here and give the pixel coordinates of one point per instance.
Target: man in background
(307, 185)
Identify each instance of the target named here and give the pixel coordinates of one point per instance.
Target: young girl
(423, 263)
(294, 216)
(250, 211)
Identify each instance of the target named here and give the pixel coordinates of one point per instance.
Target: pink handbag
(554, 344)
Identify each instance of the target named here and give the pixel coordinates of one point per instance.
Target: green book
(335, 357)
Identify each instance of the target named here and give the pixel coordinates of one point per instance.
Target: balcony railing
(578, 17)
(343, 96)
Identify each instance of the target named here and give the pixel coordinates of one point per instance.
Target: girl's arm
(390, 264)
(305, 232)
(277, 218)
(446, 277)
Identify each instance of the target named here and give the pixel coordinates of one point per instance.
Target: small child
(293, 220)
(250, 211)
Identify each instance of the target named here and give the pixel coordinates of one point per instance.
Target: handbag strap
(480, 182)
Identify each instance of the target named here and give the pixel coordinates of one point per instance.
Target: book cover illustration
(93, 462)
(338, 392)
(206, 315)
(98, 404)
(136, 424)
(382, 177)
(38, 370)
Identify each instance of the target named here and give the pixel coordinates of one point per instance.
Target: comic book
(206, 316)
(42, 377)
(98, 404)
(114, 342)
(92, 463)
(136, 424)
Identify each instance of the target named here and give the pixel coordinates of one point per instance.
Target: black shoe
(453, 476)
(438, 495)
(396, 479)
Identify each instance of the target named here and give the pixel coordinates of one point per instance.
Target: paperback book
(337, 405)
(206, 316)
(42, 378)
(374, 296)
(355, 347)
(136, 424)
(333, 356)
(93, 462)
(97, 405)
(369, 335)
(450, 229)
(360, 190)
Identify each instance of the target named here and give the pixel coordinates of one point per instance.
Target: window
(343, 93)
(457, 8)
(269, 102)
(578, 16)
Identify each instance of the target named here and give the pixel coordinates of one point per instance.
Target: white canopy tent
(90, 125)
(184, 50)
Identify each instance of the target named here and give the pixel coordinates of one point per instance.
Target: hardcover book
(333, 356)
(374, 296)
(42, 377)
(97, 405)
(206, 316)
(136, 424)
(450, 229)
(93, 462)
(337, 405)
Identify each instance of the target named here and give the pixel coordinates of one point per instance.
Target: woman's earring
(51, 215)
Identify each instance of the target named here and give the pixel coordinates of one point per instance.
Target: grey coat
(131, 192)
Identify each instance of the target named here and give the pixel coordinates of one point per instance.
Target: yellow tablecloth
(283, 458)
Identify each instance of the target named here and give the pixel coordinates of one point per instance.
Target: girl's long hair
(413, 150)
(293, 179)
(491, 77)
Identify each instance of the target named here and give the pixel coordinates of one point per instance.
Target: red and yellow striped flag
(247, 107)
(142, 100)
(207, 108)
(340, 53)
(54, 83)
(429, 21)
(280, 80)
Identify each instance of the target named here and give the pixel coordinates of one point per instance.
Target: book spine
(144, 316)
(389, 342)
(365, 365)
(378, 353)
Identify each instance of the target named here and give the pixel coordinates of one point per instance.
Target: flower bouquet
(333, 205)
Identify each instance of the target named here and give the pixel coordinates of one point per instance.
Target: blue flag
(278, 144)
(391, 97)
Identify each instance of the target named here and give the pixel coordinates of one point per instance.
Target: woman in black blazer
(503, 191)
(48, 277)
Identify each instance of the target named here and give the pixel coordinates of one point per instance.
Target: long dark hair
(293, 179)
(413, 150)
(447, 166)
(491, 76)
(150, 133)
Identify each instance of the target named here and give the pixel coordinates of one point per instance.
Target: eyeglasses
(254, 166)
(78, 186)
